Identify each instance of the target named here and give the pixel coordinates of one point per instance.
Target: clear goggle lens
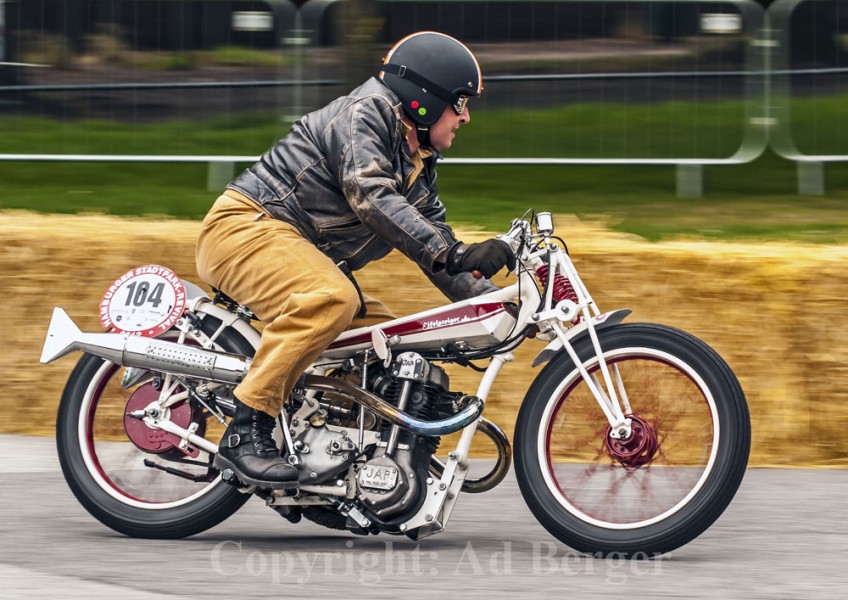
(459, 105)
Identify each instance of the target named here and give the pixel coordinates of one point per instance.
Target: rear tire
(597, 500)
(108, 476)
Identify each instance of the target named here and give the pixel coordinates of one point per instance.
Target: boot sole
(222, 464)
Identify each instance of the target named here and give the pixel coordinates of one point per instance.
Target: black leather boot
(249, 451)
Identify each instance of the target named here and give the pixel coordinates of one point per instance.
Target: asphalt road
(784, 536)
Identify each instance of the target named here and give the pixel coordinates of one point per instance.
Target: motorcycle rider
(350, 182)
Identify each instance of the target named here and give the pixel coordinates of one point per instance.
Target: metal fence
(741, 52)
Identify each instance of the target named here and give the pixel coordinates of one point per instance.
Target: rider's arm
(455, 287)
(369, 139)
(462, 286)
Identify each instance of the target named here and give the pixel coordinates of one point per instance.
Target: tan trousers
(304, 300)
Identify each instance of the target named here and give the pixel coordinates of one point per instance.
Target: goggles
(460, 104)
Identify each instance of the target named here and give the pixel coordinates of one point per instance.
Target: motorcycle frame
(557, 321)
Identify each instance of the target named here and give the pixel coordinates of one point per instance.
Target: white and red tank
(479, 322)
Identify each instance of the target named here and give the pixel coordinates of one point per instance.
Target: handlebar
(521, 231)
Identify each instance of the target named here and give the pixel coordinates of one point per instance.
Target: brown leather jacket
(339, 177)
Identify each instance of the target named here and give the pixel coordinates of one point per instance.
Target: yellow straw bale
(775, 311)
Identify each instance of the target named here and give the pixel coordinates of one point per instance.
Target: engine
(390, 475)
(392, 481)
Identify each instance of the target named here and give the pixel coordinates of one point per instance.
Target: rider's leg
(305, 301)
(375, 312)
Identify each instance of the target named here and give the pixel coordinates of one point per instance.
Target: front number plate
(378, 477)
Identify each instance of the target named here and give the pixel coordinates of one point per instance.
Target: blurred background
(641, 101)
(696, 149)
(638, 100)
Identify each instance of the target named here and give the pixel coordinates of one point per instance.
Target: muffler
(64, 337)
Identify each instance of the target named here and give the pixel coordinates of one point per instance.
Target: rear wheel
(133, 478)
(664, 485)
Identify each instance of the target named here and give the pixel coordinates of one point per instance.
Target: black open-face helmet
(430, 71)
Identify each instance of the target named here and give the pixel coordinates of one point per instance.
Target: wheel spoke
(119, 463)
(629, 482)
(106, 452)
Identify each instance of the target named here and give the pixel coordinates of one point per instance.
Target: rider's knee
(348, 301)
(338, 299)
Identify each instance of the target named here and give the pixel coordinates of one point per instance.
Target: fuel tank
(479, 322)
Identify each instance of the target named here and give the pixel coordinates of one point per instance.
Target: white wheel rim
(86, 440)
(553, 402)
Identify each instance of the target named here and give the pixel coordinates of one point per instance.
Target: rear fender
(601, 321)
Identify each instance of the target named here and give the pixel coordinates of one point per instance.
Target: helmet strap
(405, 73)
(423, 136)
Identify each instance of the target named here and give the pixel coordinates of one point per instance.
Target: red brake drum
(155, 441)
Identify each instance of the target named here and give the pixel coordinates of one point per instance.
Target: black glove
(488, 257)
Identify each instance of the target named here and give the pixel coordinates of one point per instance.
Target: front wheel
(675, 474)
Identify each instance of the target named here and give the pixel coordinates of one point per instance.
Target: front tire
(113, 478)
(670, 481)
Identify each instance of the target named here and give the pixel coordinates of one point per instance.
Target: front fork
(606, 394)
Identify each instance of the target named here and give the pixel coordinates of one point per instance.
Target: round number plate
(144, 301)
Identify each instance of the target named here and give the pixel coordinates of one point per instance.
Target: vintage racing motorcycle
(633, 438)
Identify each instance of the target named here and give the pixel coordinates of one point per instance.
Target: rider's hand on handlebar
(487, 257)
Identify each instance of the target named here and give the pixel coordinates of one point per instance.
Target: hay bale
(773, 310)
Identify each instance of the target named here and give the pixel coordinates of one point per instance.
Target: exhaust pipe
(498, 472)
(64, 337)
(392, 413)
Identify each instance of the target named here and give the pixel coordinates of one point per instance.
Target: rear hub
(147, 439)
